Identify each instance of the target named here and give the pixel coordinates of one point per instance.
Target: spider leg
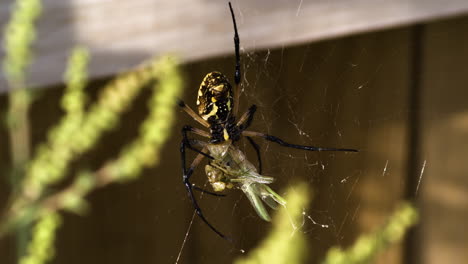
(257, 150)
(237, 73)
(187, 173)
(186, 140)
(244, 122)
(246, 119)
(192, 113)
(289, 145)
(200, 132)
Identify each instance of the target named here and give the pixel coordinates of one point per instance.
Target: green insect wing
(258, 192)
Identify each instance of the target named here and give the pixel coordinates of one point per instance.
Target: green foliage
(53, 158)
(33, 200)
(144, 151)
(41, 248)
(76, 77)
(18, 38)
(19, 35)
(366, 248)
(287, 244)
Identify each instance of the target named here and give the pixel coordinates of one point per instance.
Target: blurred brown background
(397, 94)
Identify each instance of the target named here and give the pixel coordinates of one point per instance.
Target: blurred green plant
(368, 246)
(286, 243)
(41, 248)
(19, 35)
(53, 158)
(32, 200)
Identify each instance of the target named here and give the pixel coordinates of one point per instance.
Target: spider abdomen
(215, 98)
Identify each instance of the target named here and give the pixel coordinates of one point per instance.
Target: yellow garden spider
(228, 167)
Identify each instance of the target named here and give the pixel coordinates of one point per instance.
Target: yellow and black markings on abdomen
(215, 98)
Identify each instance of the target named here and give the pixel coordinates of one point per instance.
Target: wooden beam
(122, 33)
(442, 195)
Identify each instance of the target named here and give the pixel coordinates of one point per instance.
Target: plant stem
(20, 152)
(19, 133)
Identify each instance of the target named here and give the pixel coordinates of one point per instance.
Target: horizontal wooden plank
(122, 33)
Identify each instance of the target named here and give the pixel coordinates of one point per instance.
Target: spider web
(343, 93)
